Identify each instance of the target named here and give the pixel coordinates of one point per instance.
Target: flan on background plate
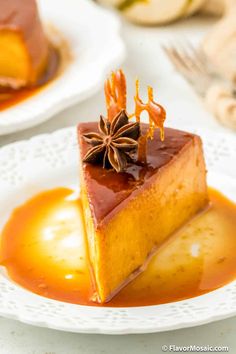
(23, 44)
(132, 206)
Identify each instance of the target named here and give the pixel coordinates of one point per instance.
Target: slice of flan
(129, 215)
(23, 44)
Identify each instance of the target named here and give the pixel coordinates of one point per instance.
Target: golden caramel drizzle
(156, 112)
(58, 266)
(115, 94)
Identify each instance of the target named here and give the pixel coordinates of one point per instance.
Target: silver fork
(192, 64)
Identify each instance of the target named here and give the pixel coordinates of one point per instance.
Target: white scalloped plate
(93, 35)
(48, 161)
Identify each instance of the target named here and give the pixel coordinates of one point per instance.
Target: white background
(146, 61)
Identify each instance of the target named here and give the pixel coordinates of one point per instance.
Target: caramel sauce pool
(11, 97)
(43, 250)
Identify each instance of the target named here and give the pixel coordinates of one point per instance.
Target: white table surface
(146, 61)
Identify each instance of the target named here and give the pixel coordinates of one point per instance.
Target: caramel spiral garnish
(156, 112)
(115, 93)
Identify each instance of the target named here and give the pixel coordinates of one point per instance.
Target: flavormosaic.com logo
(194, 349)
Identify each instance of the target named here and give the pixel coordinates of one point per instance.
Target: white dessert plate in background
(49, 161)
(93, 35)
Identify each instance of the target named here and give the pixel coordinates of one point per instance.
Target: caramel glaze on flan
(129, 215)
(23, 44)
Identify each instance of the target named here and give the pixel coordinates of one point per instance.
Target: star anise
(114, 144)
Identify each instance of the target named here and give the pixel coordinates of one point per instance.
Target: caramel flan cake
(23, 44)
(132, 205)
